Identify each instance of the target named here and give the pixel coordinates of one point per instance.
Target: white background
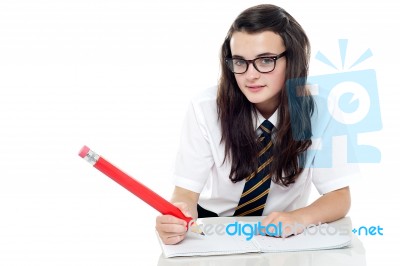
(117, 76)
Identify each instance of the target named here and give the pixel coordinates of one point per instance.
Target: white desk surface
(353, 255)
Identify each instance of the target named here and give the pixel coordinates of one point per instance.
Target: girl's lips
(255, 88)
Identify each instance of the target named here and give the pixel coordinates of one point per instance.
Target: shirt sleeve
(331, 171)
(330, 179)
(194, 159)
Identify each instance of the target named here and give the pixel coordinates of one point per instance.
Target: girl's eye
(266, 61)
(239, 62)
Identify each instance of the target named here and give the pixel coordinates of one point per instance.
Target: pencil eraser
(84, 151)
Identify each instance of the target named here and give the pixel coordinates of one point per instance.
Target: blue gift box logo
(350, 102)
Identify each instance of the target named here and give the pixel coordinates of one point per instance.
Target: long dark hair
(236, 113)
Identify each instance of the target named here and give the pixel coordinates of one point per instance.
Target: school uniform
(199, 164)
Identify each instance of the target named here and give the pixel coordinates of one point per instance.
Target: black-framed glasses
(263, 64)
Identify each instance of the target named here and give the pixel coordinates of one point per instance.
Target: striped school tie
(257, 185)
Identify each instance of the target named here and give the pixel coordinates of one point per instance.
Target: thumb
(184, 208)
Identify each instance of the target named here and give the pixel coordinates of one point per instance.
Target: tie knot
(267, 127)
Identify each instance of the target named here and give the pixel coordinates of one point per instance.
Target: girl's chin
(256, 99)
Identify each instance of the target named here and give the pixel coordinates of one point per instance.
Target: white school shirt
(199, 165)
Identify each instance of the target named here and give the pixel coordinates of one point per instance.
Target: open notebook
(319, 237)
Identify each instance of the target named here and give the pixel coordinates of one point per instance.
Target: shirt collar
(260, 119)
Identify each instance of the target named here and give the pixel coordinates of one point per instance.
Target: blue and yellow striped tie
(257, 185)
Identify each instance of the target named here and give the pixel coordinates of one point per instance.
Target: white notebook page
(209, 245)
(314, 238)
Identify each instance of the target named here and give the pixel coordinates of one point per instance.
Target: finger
(170, 235)
(292, 229)
(271, 225)
(267, 220)
(183, 207)
(173, 239)
(171, 229)
(169, 219)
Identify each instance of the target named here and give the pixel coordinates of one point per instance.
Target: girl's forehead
(253, 44)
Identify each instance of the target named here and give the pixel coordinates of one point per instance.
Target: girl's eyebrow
(259, 55)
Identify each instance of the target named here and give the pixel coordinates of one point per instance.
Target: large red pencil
(131, 184)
